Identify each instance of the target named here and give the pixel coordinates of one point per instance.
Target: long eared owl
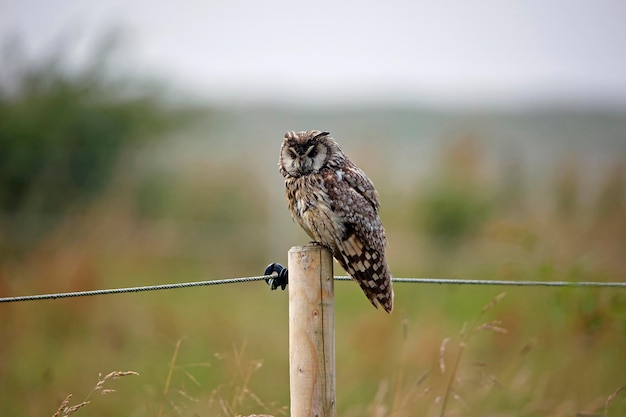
(337, 205)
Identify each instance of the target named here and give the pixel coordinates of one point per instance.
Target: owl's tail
(369, 269)
(366, 265)
(378, 291)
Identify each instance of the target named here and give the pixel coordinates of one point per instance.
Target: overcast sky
(443, 51)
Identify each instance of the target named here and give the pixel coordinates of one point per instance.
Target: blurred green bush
(456, 203)
(62, 131)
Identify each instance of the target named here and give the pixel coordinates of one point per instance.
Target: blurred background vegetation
(105, 182)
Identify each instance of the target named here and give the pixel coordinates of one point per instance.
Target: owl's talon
(280, 276)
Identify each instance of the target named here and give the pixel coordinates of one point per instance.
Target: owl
(337, 205)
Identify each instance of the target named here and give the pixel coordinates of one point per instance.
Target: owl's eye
(292, 153)
(312, 151)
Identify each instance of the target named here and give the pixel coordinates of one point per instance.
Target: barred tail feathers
(368, 268)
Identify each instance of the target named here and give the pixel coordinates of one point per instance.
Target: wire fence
(433, 281)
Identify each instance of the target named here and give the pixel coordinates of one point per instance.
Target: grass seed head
(493, 302)
(442, 354)
(74, 408)
(63, 406)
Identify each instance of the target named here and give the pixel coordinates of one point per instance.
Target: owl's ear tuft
(319, 135)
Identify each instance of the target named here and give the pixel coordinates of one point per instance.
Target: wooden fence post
(311, 332)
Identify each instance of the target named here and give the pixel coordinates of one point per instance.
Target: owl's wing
(360, 248)
(355, 205)
(358, 181)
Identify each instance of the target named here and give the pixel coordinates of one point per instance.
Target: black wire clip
(280, 276)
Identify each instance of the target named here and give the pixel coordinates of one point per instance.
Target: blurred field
(189, 194)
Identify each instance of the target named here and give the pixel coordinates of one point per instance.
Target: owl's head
(305, 153)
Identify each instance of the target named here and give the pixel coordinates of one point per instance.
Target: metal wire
(438, 281)
(496, 282)
(133, 289)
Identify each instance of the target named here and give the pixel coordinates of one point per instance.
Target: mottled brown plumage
(337, 205)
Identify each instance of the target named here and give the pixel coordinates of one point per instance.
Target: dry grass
(225, 400)
(228, 400)
(168, 380)
(430, 392)
(466, 335)
(66, 410)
